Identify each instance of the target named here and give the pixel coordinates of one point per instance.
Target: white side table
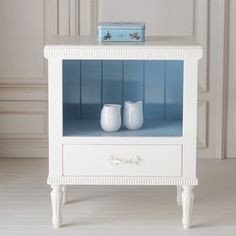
(83, 75)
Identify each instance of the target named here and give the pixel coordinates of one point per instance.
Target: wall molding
(201, 22)
(222, 9)
(30, 144)
(15, 85)
(13, 111)
(23, 93)
(62, 17)
(26, 97)
(86, 17)
(23, 101)
(80, 17)
(202, 124)
(24, 149)
(21, 81)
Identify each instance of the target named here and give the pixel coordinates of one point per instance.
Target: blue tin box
(121, 32)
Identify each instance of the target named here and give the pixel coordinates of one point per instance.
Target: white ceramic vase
(133, 115)
(110, 117)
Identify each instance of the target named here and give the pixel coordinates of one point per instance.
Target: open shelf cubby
(88, 84)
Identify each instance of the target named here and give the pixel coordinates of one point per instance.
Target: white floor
(92, 210)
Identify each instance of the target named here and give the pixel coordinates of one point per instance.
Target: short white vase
(110, 117)
(133, 115)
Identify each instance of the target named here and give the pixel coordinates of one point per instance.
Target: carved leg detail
(64, 194)
(56, 198)
(187, 205)
(179, 195)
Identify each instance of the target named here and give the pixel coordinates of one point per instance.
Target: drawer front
(122, 160)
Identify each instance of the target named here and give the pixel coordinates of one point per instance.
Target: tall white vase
(110, 117)
(133, 115)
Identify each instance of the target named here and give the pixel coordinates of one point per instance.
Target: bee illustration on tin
(134, 36)
(107, 36)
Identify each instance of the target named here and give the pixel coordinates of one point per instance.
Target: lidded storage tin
(121, 32)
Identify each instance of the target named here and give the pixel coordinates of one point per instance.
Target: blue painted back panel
(174, 90)
(88, 84)
(91, 89)
(133, 80)
(112, 89)
(71, 91)
(154, 89)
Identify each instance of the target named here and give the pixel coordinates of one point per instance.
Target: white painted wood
(187, 205)
(190, 117)
(64, 194)
(121, 180)
(122, 160)
(55, 116)
(124, 140)
(158, 48)
(124, 164)
(179, 195)
(56, 198)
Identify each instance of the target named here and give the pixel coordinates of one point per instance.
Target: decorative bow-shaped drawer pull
(114, 160)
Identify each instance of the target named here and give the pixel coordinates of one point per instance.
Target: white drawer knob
(114, 160)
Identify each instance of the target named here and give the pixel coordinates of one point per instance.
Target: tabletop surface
(86, 41)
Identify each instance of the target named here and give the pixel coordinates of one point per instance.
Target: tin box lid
(121, 25)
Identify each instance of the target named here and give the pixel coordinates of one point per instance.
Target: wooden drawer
(122, 160)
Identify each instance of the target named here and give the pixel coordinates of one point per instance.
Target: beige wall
(25, 26)
(23, 80)
(160, 17)
(231, 88)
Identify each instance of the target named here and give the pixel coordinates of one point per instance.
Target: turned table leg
(56, 198)
(64, 194)
(187, 205)
(179, 195)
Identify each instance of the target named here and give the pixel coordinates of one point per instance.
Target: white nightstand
(83, 75)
